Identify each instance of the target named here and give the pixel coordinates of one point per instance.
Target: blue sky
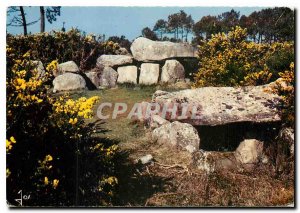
(128, 21)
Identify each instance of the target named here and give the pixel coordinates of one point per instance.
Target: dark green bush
(62, 46)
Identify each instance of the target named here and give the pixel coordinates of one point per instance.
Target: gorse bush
(62, 46)
(285, 87)
(231, 60)
(49, 141)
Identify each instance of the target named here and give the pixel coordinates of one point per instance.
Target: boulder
(38, 65)
(287, 135)
(156, 121)
(113, 60)
(250, 151)
(178, 134)
(69, 66)
(68, 81)
(146, 50)
(94, 77)
(172, 71)
(145, 159)
(222, 105)
(127, 74)
(108, 77)
(98, 69)
(149, 73)
(212, 161)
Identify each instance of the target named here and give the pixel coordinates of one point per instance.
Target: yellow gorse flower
(55, 183)
(231, 60)
(73, 121)
(81, 107)
(26, 55)
(9, 143)
(46, 181)
(8, 172)
(48, 158)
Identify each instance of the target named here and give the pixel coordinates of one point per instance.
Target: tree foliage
(179, 24)
(148, 33)
(51, 14)
(268, 25)
(161, 27)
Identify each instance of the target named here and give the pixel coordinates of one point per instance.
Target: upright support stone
(68, 81)
(94, 78)
(149, 73)
(249, 151)
(178, 134)
(108, 77)
(172, 71)
(127, 74)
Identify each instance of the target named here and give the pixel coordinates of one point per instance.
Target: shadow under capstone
(227, 137)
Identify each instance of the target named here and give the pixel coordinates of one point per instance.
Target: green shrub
(62, 46)
(51, 151)
(232, 60)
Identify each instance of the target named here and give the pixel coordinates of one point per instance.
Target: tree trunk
(23, 20)
(42, 13)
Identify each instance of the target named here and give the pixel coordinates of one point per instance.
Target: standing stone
(178, 134)
(69, 66)
(109, 77)
(144, 49)
(172, 71)
(68, 81)
(288, 137)
(149, 73)
(127, 74)
(249, 151)
(94, 77)
(114, 60)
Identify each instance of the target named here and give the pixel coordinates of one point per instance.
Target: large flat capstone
(221, 105)
(114, 60)
(146, 50)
